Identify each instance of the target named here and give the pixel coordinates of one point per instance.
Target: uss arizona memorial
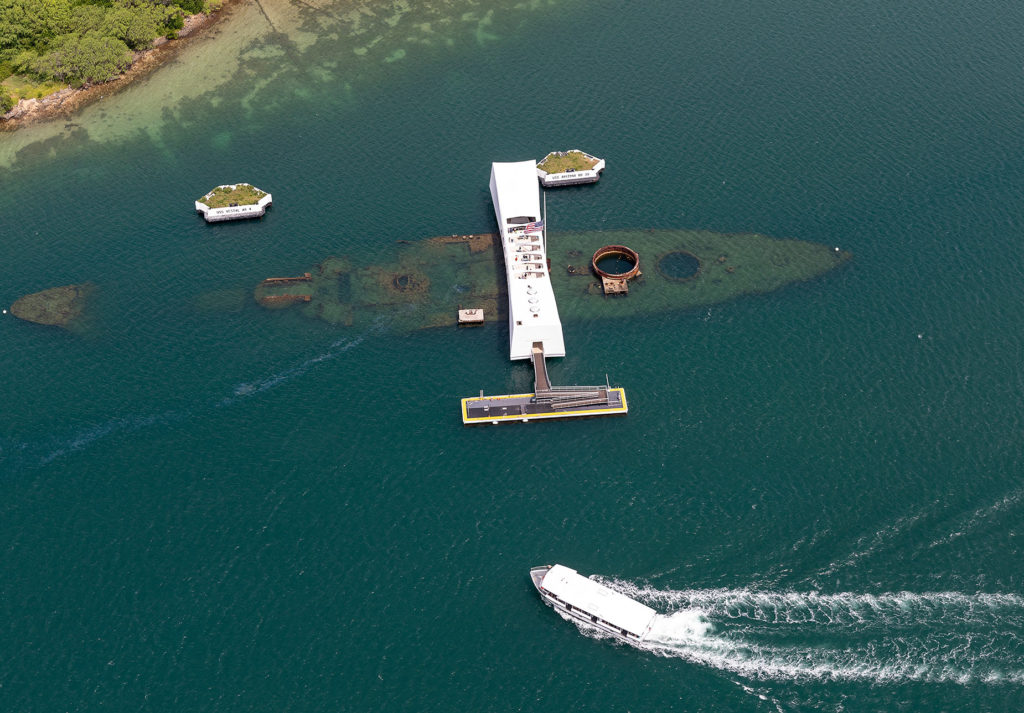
(532, 310)
(535, 330)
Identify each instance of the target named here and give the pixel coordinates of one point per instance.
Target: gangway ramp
(541, 382)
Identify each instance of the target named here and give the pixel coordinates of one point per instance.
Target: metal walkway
(563, 397)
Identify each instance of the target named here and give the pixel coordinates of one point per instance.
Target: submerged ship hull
(424, 283)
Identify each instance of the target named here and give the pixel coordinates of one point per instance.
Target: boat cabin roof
(598, 600)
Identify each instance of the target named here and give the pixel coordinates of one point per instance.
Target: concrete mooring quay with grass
(236, 201)
(569, 168)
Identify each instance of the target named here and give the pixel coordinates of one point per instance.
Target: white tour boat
(592, 603)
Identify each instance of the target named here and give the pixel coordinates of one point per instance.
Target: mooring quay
(546, 401)
(535, 330)
(250, 202)
(530, 407)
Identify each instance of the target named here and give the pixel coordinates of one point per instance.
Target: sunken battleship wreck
(593, 276)
(425, 283)
(442, 280)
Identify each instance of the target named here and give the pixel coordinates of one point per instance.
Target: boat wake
(118, 425)
(892, 637)
(28, 454)
(248, 389)
(982, 516)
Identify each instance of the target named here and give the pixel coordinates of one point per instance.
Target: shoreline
(64, 103)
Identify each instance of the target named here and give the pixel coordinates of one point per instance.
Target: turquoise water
(820, 488)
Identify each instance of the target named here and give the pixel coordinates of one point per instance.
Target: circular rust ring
(625, 252)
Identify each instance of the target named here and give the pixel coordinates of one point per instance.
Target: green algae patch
(58, 306)
(424, 283)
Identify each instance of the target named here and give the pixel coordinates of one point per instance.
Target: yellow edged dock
(479, 410)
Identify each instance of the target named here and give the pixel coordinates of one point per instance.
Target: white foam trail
(247, 389)
(120, 424)
(867, 546)
(840, 609)
(927, 659)
(981, 515)
(135, 422)
(898, 636)
(683, 627)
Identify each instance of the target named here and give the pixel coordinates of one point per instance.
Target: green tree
(139, 24)
(83, 59)
(22, 61)
(88, 18)
(83, 40)
(193, 7)
(6, 100)
(31, 23)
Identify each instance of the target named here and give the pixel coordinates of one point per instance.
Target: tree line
(84, 41)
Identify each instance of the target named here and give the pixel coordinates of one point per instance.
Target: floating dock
(546, 401)
(532, 407)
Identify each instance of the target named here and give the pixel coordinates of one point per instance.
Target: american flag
(534, 226)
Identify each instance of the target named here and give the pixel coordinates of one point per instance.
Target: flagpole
(545, 219)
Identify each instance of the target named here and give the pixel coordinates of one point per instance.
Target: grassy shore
(23, 87)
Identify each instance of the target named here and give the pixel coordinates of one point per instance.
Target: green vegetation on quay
(45, 44)
(224, 196)
(562, 161)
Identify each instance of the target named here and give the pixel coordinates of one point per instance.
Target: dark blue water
(220, 508)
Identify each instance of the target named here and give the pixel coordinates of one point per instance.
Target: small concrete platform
(471, 317)
(479, 410)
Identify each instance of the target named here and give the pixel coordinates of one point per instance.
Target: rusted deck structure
(304, 277)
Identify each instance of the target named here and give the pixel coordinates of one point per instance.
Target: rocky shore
(64, 103)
